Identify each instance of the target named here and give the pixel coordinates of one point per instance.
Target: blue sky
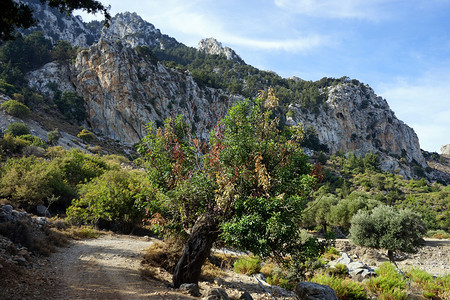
(401, 48)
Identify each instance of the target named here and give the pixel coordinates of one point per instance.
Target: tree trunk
(196, 251)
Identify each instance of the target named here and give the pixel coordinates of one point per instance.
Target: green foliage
(29, 181)
(388, 284)
(247, 265)
(63, 52)
(16, 109)
(53, 137)
(117, 196)
(86, 135)
(17, 129)
(386, 228)
(346, 289)
(318, 212)
(34, 140)
(69, 104)
(432, 287)
(252, 179)
(12, 144)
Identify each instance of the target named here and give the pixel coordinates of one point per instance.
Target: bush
(34, 140)
(86, 135)
(432, 288)
(388, 284)
(53, 137)
(16, 109)
(116, 199)
(345, 288)
(17, 129)
(12, 144)
(248, 265)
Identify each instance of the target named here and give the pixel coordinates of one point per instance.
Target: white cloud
(341, 9)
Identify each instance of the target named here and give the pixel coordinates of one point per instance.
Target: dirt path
(105, 268)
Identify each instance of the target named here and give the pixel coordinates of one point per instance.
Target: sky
(401, 48)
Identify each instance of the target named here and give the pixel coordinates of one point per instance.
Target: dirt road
(105, 268)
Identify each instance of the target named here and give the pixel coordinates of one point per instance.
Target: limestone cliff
(355, 119)
(124, 91)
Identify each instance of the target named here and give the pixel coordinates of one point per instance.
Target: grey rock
(7, 208)
(216, 294)
(445, 149)
(190, 288)
(344, 259)
(21, 260)
(314, 291)
(355, 265)
(42, 211)
(246, 296)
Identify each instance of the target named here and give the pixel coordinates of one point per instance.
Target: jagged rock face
(52, 72)
(357, 120)
(57, 26)
(123, 92)
(213, 47)
(131, 29)
(445, 149)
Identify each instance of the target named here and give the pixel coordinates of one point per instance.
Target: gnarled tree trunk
(196, 251)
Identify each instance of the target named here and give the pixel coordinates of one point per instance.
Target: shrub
(86, 135)
(17, 129)
(116, 199)
(34, 140)
(388, 284)
(12, 144)
(53, 137)
(345, 288)
(16, 108)
(432, 288)
(248, 265)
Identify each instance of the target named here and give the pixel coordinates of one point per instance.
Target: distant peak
(214, 47)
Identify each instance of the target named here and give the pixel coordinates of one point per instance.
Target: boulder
(314, 291)
(246, 296)
(216, 294)
(42, 211)
(191, 289)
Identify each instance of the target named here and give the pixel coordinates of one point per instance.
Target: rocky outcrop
(57, 26)
(124, 91)
(213, 47)
(445, 149)
(131, 29)
(355, 119)
(53, 72)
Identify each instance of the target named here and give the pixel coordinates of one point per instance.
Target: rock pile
(356, 269)
(13, 252)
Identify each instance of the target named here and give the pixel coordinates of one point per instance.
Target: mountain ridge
(123, 90)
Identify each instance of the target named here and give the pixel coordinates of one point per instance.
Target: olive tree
(386, 228)
(247, 184)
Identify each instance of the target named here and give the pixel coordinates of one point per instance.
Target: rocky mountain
(57, 26)
(358, 120)
(213, 47)
(123, 90)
